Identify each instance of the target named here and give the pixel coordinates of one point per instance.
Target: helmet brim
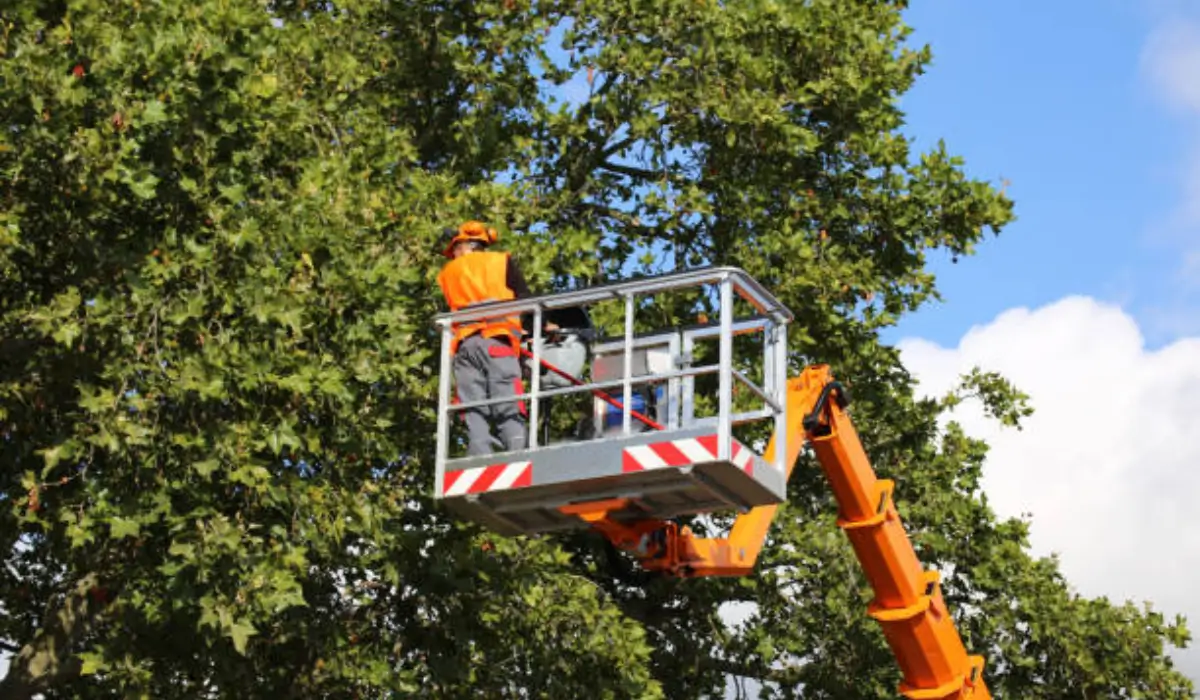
(455, 236)
(449, 233)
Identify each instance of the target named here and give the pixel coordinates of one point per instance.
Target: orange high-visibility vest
(477, 278)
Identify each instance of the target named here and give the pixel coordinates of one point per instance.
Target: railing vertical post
(673, 388)
(443, 416)
(687, 395)
(780, 365)
(536, 380)
(626, 418)
(725, 387)
(768, 371)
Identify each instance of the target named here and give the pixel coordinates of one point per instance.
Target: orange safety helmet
(469, 231)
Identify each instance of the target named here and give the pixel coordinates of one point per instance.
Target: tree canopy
(218, 226)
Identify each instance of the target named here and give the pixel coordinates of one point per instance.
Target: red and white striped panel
(495, 477)
(681, 453)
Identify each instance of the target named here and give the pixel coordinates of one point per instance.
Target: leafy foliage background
(217, 249)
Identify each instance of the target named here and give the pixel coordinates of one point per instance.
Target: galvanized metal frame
(746, 287)
(535, 381)
(725, 388)
(779, 370)
(731, 281)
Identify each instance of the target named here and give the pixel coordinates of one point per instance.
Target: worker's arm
(515, 280)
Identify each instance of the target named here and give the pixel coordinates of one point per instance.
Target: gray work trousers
(488, 368)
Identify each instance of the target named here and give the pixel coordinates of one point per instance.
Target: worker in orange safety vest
(486, 353)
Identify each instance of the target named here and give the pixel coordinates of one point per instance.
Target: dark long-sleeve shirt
(515, 279)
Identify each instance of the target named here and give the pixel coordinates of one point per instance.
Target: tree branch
(610, 79)
(617, 147)
(625, 218)
(630, 171)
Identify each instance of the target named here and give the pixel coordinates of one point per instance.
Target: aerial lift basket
(650, 456)
(645, 445)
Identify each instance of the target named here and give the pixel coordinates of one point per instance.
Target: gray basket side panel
(570, 451)
(773, 479)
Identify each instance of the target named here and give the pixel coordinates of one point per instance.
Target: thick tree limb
(617, 147)
(607, 211)
(610, 79)
(49, 657)
(625, 218)
(630, 171)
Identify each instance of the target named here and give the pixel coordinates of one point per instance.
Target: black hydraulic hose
(812, 421)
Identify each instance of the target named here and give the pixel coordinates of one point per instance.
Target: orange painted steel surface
(908, 603)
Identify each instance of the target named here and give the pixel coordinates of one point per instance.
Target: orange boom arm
(908, 602)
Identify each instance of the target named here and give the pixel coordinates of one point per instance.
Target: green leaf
(240, 633)
(67, 333)
(182, 550)
(124, 527)
(155, 113)
(93, 663)
(144, 186)
(234, 194)
(205, 468)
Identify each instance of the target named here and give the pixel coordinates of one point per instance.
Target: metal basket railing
(771, 319)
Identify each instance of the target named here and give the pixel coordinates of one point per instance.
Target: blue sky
(1060, 99)
(1091, 108)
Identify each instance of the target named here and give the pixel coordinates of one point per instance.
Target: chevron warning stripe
(681, 453)
(743, 457)
(493, 477)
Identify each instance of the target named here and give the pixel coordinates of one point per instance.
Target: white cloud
(1170, 62)
(1109, 465)
(1171, 59)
